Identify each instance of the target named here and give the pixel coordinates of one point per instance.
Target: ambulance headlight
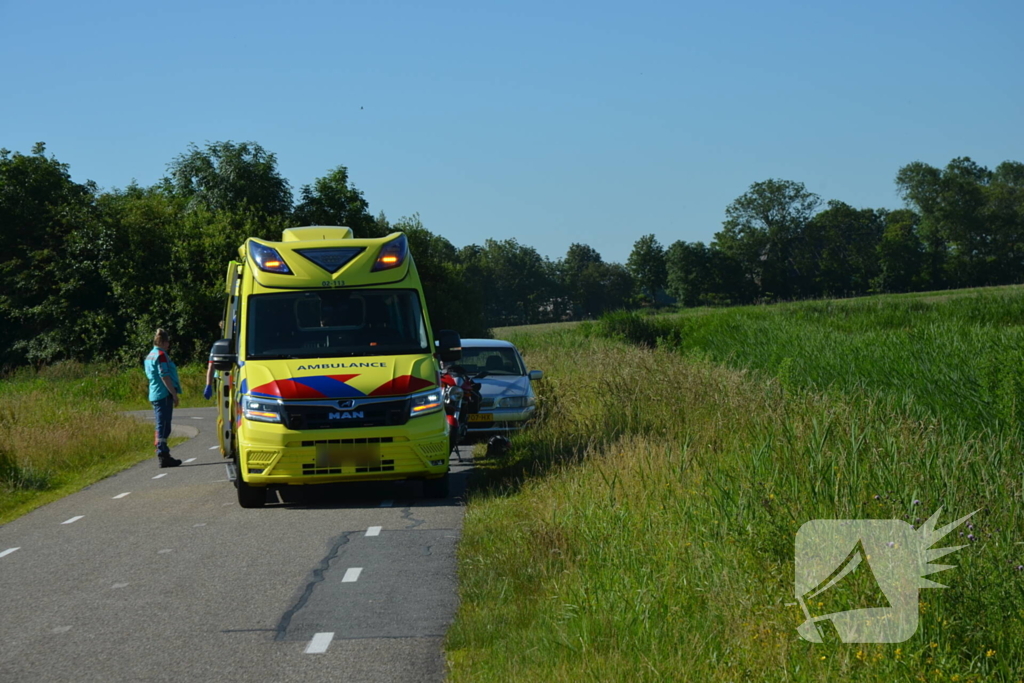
(392, 254)
(425, 402)
(261, 409)
(267, 259)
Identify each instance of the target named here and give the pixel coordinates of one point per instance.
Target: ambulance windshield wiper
(282, 356)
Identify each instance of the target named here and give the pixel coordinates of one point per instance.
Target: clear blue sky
(549, 122)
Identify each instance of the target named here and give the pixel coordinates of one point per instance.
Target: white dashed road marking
(121, 495)
(73, 519)
(8, 551)
(351, 575)
(120, 585)
(61, 629)
(319, 644)
(373, 531)
(164, 474)
(213, 448)
(196, 418)
(190, 460)
(387, 503)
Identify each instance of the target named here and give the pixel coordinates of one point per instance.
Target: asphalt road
(158, 575)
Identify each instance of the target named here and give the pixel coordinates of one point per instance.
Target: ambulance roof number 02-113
(332, 283)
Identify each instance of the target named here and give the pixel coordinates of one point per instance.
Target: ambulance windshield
(335, 323)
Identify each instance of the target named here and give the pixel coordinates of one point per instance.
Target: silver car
(508, 399)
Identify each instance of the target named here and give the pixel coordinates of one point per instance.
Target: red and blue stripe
(336, 386)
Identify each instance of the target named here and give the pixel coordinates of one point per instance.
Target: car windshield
(496, 361)
(333, 323)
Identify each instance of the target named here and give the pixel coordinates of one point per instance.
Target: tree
(901, 254)
(52, 300)
(963, 245)
(604, 287)
(760, 230)
(647, 266)
(837, 254)
(227, 176)
(690, 275)
(579, 260)
(518, 285)
(1004, 213)
(330, 200)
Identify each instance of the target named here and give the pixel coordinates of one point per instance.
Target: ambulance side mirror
(223, 355)
(449, 346)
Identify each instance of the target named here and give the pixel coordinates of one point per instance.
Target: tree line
(89, 274)
(963, 226)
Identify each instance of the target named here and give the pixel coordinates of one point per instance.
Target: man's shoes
(169, 462)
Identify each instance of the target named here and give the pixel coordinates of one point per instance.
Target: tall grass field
(644, 529)
(62, 428)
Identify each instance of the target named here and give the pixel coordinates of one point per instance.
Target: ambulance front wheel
(436, 488)
(250, 496)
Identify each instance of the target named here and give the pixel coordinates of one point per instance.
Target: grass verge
(62, 428)
(644, 530)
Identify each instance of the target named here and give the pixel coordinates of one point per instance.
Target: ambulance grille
(257, 458)
(438, 448)
(376, 414)
(385, 466)
(382, 439)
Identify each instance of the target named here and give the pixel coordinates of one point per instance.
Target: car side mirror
(536, 374)
(223, 355)
(449, 345)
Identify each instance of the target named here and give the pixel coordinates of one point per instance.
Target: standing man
(164, 389)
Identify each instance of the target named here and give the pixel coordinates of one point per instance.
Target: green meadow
(644, 529)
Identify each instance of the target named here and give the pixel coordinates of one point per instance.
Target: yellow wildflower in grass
(899, 654)
(990, 653)
(860, 655)
(823, 657)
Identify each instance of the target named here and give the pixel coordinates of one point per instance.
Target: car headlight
(261, 409)
(517, 402)
(426, 402)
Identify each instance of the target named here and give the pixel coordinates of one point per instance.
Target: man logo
(355, 414)
(346, 403)
(881, 563)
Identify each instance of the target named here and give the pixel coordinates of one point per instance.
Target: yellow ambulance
(329, 370)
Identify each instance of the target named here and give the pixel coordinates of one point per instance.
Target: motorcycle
(461, 396)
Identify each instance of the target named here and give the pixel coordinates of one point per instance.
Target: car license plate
(481, 417)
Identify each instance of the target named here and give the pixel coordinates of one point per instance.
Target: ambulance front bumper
(271, 454)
